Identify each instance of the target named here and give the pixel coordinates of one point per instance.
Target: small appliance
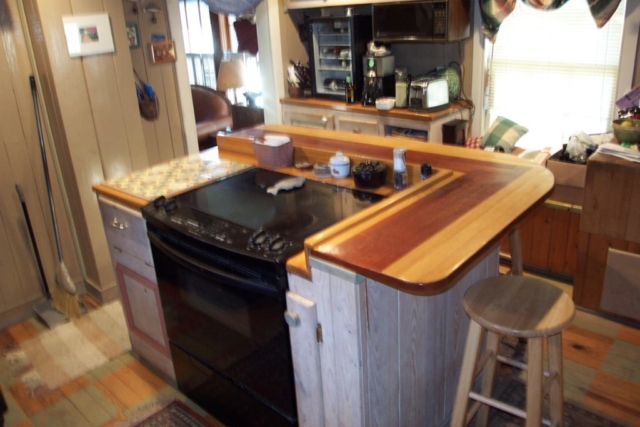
(379, 78)
(426, 21)
(429, 94)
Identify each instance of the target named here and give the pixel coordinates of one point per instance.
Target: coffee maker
(379, 79)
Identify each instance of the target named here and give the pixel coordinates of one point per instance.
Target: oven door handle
(190, 262)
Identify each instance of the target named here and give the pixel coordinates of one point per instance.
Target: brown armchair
(212, 111)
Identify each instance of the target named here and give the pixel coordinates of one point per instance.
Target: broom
(65, 298)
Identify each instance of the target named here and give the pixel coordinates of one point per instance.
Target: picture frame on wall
(133, 35)
(88, 34)
(162, 52)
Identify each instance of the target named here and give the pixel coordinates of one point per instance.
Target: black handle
(200, 268)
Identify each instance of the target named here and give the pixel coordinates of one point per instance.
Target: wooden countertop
(401, 113)
(423, 239)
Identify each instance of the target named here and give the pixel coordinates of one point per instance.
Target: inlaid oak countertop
(422, 239)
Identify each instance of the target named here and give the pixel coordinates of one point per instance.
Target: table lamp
(231, 76)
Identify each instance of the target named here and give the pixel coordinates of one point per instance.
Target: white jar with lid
(339, 165)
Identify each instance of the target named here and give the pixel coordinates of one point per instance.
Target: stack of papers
(618, 151)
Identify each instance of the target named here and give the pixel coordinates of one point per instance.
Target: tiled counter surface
(168, 179)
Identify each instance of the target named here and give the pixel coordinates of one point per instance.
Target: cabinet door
(357, 125)
(145, 319)
(307, 119)
(302, 317)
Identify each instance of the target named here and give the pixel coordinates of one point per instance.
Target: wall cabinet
(303, 4)
(134, 269)
(400, 123)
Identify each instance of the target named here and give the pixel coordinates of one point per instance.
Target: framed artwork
(133, 35)
(163, 52)
(88, 34)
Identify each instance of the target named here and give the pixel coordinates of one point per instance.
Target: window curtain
(493, 12)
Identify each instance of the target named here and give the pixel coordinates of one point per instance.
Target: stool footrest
(503, 406)
(516, 364)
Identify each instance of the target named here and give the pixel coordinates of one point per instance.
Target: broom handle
(34, 94)
(45, 287)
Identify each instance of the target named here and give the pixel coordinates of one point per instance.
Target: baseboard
(103, 295)
(18, 314)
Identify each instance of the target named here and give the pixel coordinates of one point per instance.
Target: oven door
(229, 341)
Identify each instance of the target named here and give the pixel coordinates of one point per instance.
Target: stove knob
(258, 238)
(170, 205)
(276, 244)
(159, 202)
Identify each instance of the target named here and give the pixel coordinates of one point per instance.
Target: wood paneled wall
(96, 133)
(549, 239)
(21, 163)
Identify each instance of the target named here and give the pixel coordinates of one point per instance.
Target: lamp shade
(230, 75)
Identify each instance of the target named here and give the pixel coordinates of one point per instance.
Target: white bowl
(385, 103)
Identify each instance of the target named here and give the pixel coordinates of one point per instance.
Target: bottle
(349, 91)
(400, 177)
(401, 88)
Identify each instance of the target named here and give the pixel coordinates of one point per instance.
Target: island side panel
(413, 376)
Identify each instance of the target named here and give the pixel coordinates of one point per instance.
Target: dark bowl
(369, 174)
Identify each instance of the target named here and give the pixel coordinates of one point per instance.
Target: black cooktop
(238, 214)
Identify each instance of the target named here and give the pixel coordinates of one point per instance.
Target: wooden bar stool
(522, 307)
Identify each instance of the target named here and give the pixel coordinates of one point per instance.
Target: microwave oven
(422, 21)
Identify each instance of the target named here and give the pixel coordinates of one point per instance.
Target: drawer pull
(119, 225)
(356, 130)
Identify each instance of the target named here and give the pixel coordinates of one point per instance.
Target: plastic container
(339, 165)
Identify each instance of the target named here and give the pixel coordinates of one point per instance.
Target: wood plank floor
(601, 362)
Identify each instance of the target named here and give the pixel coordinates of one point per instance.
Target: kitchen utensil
(369, 174)
(65, 299)
(45, 309)
(321, 170)
(339, 165)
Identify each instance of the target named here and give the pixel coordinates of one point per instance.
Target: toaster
(428, 94)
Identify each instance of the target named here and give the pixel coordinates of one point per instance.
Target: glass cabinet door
(333, 56)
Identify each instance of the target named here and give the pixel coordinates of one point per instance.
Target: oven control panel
(216, 231)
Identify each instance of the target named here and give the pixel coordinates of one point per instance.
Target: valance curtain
(493, 12)
(232, 7)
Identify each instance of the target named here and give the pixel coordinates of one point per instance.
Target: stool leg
(556, 393)
(488, 377)
(515, 248)
(472, 347)
(534, 382)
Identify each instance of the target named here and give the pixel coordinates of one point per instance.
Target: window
(198, 40)
(555, 72)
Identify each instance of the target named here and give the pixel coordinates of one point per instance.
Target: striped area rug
(69, 351)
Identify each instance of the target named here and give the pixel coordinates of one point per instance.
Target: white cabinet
(308, 118)
(400, 123)
(133, 265)
(358, 125)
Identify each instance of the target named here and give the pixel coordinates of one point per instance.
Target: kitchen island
(375, 301)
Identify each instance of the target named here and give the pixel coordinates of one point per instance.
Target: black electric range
(219, 253)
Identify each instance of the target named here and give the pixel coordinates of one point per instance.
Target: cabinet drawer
(310, 120)
(126, 231)
(358, 126)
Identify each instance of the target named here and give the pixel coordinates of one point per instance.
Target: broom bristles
(65, 303)
(65, 298)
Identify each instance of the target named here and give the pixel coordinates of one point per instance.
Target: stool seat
(519, 306)
(522, 307)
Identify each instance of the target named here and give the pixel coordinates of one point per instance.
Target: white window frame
(479, 75)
